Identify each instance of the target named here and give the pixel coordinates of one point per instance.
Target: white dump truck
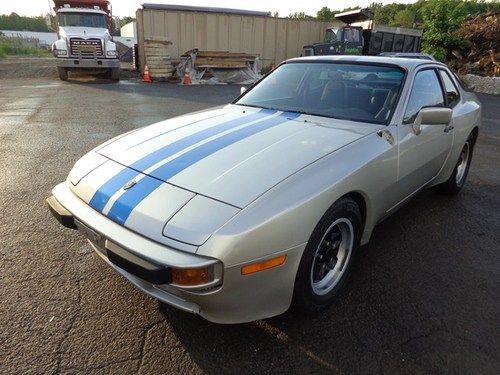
(85, 42)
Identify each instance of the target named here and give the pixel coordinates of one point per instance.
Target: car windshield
(82, 19)
(355, 92)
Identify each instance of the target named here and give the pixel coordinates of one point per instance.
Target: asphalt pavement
(424, 295)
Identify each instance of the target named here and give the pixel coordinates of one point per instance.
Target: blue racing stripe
(122, 208)
(104, 193)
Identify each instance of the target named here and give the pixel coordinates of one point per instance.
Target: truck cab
(361, 37)
(346, 40)
(85, 42)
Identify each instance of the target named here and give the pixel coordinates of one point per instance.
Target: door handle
(448, 128)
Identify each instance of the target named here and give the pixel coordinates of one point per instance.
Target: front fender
(286, 215)
(61, 45)
(110, 46)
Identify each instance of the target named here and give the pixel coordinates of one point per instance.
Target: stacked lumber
(158, 59)
(482, 57)
(221, 59)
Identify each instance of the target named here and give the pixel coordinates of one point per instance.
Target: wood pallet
(221, 59)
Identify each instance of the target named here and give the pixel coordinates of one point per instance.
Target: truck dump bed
(391, 39)
(104, 5)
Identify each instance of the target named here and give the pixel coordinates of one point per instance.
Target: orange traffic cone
(146, 77)
(187, 78)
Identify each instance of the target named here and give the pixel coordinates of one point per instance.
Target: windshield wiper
(259, 106)
(301, 112)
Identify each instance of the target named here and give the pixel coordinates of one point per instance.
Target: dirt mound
(28, 67)
(482, 56)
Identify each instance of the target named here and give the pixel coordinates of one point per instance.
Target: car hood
(204, 165)
(239, 163)
(83, 32)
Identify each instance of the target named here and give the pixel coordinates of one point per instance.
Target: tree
(300, 16)
(126, 20)
(16, 22)
(325, 14)
(384, 15)
(403, 18)
(441, 19)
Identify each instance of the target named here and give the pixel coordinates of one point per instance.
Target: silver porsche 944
(239, 212)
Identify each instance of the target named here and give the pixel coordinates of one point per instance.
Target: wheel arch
(360, 200)
(475, 133)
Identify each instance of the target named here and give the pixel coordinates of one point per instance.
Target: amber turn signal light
(190, 276)
(261, 266)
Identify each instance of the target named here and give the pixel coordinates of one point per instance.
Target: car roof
(415, 55)
(406, 63)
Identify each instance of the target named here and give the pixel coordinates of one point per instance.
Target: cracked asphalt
(423, 296)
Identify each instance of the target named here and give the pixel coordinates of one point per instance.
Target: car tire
(328, 256)
(63, 74)
(459, 175)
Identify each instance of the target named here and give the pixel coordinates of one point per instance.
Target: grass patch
(21, 47)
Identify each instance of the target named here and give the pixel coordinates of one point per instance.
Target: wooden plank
(225, 54)
(220, 67)
(204, 60)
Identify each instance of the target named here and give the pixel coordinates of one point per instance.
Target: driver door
(422, 155)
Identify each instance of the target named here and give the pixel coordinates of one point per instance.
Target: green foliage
(300, 16)
(325, 14)
(439, 19)
(403, 18)
(16, 22)
(126, 20)
(21, 47)
(385, 14)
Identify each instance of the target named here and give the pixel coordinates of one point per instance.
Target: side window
(452, 95)
(426, 92)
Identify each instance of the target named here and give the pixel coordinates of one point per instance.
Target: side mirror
(432, 116)
(242, 90)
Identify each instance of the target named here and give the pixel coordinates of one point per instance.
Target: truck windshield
(333, 35)
(347, 91)
(82, 19)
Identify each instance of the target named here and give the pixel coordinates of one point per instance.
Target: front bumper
(87, 63)
(238, 299)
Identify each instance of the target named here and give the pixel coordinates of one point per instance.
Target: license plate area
(89, 233)
(87, 49)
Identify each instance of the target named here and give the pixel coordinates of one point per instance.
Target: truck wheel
(114, 74)
(63, 74)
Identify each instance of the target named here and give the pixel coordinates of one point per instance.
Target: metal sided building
(182, 28)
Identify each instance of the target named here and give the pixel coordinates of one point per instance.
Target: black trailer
(365, 38)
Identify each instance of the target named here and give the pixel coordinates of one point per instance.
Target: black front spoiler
(60, 213)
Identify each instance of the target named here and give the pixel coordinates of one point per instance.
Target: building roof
(187, 8)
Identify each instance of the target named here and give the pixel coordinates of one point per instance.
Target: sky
(123, 8)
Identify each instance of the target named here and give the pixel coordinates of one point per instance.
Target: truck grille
(87, 48)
